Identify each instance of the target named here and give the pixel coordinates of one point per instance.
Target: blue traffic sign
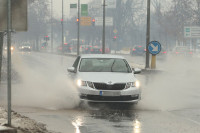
(154, 47)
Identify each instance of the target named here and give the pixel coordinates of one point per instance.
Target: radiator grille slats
(103, 86)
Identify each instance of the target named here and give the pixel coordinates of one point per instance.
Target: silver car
(105, 78)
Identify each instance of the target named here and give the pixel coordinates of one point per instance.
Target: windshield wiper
(112, 65)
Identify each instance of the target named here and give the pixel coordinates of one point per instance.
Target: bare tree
(38, 23)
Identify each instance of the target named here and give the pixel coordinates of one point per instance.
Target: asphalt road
(170, 98)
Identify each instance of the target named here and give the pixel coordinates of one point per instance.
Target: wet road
(107, 120)
(170, 99)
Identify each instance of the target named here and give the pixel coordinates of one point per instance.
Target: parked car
(163, 53)
(67, 48)
(138, 50)
(44, 47)
(105, 78)
(98, 50)
(86, 49)
(182, 51)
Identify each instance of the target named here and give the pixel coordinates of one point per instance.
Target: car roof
(101, 56)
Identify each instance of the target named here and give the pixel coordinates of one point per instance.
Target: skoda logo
(109, 82)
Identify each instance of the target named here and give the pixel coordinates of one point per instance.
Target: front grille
(103, 86)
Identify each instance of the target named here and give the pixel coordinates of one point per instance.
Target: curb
(151, 71)
(4, 129)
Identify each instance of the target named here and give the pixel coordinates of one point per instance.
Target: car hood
(105, 77)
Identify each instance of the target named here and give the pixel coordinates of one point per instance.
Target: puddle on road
(104, 117)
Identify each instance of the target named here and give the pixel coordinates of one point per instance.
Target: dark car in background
(67, 48)
(182, 51)
(44, 46)
(138, 50)
(86, 49)
(98, 50)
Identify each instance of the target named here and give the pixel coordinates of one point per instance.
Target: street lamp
(103, 36)
(198, 4)
(9, 28)
(51, 26)
(62, 28)
(78, 32)
(147, 34)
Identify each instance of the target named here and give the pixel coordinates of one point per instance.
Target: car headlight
(132, 84)
(12, 48)
(137, 84)
(29, 47)
(22, 47)
(81, 83)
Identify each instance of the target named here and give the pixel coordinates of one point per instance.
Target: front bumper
(131, 95)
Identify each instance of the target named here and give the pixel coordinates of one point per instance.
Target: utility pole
(147, 34)
(1, 52)
(51, 26)
(103, 36)
(78, 32)
(9, 28)
(62, 20)
(198, 2)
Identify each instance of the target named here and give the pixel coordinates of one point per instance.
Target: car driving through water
(105, 78)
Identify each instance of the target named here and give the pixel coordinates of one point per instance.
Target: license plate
(109, 93)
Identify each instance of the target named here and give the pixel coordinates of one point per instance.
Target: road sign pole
(153, 62)
(51, 26)
(62, 29)
(147, 34)
(103, 37)
(9, 59)
(78, 33)
(1, 51)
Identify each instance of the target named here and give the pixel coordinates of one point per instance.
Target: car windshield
(26, 45)
(104, 65)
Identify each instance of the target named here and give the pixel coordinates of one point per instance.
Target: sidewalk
(4, 129)
(20, 124)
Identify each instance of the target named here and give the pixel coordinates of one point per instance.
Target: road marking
(183, 117)
(196, 122)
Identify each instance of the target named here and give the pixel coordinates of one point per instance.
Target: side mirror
(136, 70)
(71, 69)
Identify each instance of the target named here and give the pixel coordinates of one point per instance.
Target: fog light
(134, 95)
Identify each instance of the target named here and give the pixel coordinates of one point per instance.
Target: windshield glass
(26, 44)
(104, 65)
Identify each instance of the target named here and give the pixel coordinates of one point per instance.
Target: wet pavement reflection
(107, 117)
